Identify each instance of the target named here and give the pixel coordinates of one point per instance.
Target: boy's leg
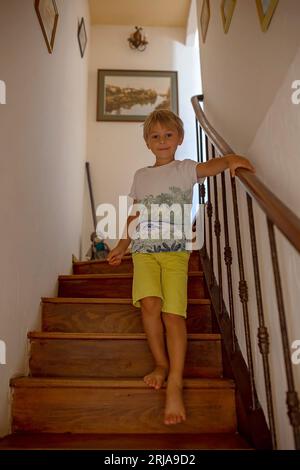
(147, 294)
(174, 286)
(177, 344)
(154, 329)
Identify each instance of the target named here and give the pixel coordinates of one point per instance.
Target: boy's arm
(126, 240)
(217, 165)
(116, 254)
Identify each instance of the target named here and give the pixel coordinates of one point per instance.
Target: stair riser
(116, 288)
(103, 268)
(125, 267)
(115, 358)
(112, 318)
(44, 441)
(110, 410)
(195, 263)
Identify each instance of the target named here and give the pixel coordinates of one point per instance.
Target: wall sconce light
(137, 40)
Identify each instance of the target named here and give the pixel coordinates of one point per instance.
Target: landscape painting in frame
(130, 95)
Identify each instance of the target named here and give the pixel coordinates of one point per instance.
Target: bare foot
(174, 411)
(157, 377)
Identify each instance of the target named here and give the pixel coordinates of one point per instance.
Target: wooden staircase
(85, 388)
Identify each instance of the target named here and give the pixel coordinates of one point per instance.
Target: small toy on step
(99, 249)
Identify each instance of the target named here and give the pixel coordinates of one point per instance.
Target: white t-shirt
(164, 197)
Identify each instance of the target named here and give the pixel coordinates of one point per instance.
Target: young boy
(161, 262)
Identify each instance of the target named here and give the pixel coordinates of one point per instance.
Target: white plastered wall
(247, 83)
(42, 154)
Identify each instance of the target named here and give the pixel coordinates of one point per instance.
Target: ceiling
(140, 12)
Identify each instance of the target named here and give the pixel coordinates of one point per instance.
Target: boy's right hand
(115, 256)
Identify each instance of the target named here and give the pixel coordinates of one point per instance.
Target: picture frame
(130, 95)
(47, 14)
(204, 19)
(82, 37)
(266, 10)
(227, 10)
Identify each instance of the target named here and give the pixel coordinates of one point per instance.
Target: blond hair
(164, 117)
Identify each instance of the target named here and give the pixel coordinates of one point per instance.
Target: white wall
(275, 146)
(242, 70)
(116, 150)
(275, 149)
(247, 79)
(42, 154)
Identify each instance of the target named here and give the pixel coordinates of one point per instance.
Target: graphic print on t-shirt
(163, 222)
(164, 197)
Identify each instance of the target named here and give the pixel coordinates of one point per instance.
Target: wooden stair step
(115, 285)
(102, 266)
(115, 355)
(118, 406)
(81, 315)
(46, 441)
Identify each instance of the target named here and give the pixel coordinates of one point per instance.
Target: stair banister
(277, 214)
(281, 216)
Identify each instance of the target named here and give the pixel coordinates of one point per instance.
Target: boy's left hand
(236, 161)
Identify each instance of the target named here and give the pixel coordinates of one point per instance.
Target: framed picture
(82, 37)
(266, 9)
(48, 17)
(130, 95)
(227, 9)
(204, 19)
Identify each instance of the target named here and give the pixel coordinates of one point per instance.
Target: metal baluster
(218, 238)
(292, 399)
(201, 189)
(201, 143)
(243, 291)
(228, 262)
(263, 335)
(202, 193)
(209, 214)
(199, 152)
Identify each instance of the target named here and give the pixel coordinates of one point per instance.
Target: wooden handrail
(277, 212)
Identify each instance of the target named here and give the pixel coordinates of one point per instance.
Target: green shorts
(163, 275)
